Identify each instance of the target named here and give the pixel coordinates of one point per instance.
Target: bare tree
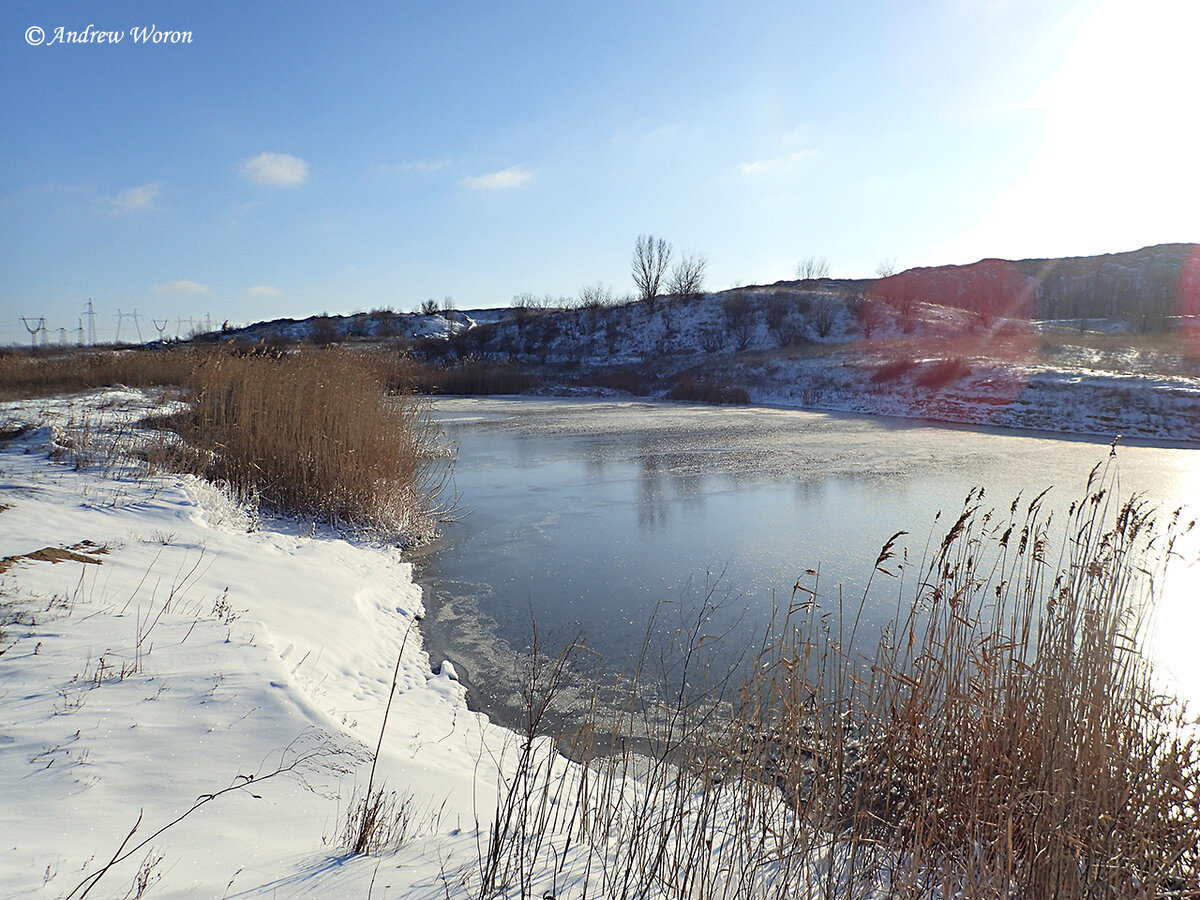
(687, 278)
(651, 256)
(812, 267)
(886, 267)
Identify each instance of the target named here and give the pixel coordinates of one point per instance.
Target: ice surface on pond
(589, 516)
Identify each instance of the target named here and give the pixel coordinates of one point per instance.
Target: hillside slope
(1101, 345)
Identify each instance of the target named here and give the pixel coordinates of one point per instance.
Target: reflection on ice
(587, 515)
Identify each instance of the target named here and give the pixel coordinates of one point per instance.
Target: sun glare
(1179, 609)
(1116, 166)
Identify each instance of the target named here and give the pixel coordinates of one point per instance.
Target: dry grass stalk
(24, 374)
(316, 433)
(1006, 740)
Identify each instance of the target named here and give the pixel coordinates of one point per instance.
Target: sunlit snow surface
(190, 652)
(183, 645)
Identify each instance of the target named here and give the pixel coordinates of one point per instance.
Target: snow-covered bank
(195, 693)
(991, 394)
(180, 645)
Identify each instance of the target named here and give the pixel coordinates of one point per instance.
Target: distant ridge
(1149, 287)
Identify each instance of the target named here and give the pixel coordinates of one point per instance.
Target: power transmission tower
(79, 338)
(91, 317)
(62, 336)
(138, 327)
(119, 317)
(34, 328)
(162, 328)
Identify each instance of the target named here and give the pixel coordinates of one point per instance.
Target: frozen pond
(587, 516)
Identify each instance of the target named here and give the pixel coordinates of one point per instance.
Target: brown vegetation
(1006, 739)
(691, 388)
(317, 434)
(321, 433)
(939, 374)
(24, 374)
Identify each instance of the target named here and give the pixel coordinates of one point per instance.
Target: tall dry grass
(320, 433)
(24, 374)
(1006, 738)
(317, 433)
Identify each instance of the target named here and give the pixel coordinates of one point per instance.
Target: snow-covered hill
(1100, 345)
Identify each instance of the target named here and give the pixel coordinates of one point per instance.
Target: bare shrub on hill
(812, 268)
(893, 370)
(824, 315)
(868, 314)
(687, 277)
(943, 372)
(739, 315)
(782, 323)
(324, 331)
(712, 340)
(595, 296)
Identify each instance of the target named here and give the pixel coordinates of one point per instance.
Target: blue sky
(303, 157)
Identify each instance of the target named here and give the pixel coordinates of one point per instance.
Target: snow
(201, 688)
(187, 644)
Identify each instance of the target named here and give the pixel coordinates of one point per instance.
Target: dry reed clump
(316, 433)
(688, 387)
(1006, 739)
(42, 374)
(631, 381)
(893, 370)
(471, 376)
(941, 373)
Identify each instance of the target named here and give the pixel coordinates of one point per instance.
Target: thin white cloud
(135, 199)
(426, 166)
(276, 170)
(182, 287)
(264, 290)
(57, 187)
(504, 180)
(783, 165)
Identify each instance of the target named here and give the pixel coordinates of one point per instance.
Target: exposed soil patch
(13, 432)
(58, 554)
